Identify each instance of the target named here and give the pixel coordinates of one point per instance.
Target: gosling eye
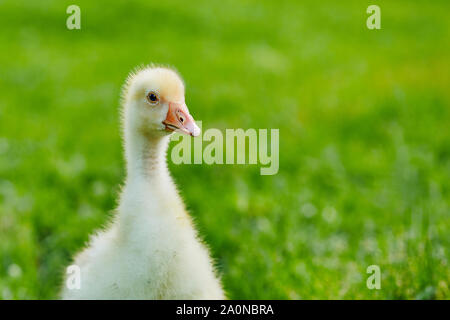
(153, 97)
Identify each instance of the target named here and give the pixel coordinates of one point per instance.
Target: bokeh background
(364, 125)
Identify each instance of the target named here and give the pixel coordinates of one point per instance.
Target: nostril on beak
(180, 116)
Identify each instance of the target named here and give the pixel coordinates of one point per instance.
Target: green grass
(364, 139)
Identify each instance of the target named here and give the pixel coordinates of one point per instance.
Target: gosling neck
(145, 155)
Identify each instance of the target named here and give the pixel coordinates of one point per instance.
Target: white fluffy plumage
(150, 250)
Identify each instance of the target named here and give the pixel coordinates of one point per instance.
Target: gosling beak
(178, 119)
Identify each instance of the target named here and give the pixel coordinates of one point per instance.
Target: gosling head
(154, 103)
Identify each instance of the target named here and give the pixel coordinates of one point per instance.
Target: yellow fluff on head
(166, 73)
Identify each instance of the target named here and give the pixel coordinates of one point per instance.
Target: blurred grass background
(364, 139)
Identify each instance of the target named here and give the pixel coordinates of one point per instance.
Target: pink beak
(178, 119)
